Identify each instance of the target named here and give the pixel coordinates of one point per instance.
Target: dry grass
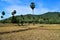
(41, 32)
(10, 27)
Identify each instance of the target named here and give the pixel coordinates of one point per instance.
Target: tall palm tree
(13, 16)
(32, 5)
(14, 12)
(1, 16)
(3, 13)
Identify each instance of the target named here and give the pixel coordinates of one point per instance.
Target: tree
(32, 5)
(22, 20)
(14, 12)
(3, 13)
(1, 16)
(13, 17)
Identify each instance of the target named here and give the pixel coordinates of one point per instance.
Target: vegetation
(32, 5)
(47, 26)
(13, 20)
(3, 13)
(46, 18)
(33, 33)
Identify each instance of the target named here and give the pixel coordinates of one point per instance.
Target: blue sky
(23, 6)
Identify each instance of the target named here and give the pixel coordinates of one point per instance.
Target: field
(30, 32)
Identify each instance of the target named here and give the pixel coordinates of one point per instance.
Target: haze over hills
(49, 17)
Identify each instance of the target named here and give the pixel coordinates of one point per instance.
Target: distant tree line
(47, 18)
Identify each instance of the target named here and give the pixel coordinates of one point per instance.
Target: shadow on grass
(25, 30)
(16, 31)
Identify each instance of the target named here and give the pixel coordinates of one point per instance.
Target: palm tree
(14, 12)
(3, 13)
(13, 16)
(1, 16)
(32, 5)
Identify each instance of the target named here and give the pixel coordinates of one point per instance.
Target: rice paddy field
(30, 32)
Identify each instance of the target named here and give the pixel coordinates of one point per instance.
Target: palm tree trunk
(33, 11)
(33, 16)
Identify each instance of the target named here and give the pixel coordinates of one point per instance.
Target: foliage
(32, 5)
(46, 18)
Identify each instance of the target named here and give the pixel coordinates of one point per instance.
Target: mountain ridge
(49, 17)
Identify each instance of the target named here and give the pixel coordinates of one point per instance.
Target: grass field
(30, 32)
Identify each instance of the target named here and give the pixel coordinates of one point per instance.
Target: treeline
(46, 18)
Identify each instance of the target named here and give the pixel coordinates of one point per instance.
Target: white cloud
(25, 10)
(20, 9)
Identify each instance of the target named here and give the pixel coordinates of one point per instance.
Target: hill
(49, 17)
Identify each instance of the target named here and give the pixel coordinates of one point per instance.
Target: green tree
(13, 17)
(32, 5)
(14, 12)
(3, 13)
(1, 16)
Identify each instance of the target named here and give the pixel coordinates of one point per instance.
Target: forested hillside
(48, 18)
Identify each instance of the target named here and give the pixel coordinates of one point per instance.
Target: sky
(23, 6)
